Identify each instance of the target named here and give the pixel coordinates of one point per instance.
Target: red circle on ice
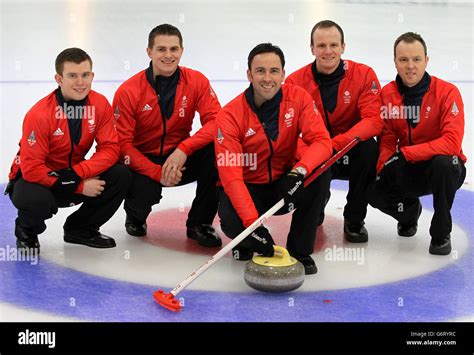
(167, 229)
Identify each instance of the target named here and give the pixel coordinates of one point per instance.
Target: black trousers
(37, 203)
(441, 176)
(359, 167)
(303, 227)
(200, 167)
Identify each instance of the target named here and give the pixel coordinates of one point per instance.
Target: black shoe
(90, 237)
(26, 242)
(409, 229)
(441, 246)
(137, 229)
(205, 235)
(242, 253)
(310, 267)
(355, 232)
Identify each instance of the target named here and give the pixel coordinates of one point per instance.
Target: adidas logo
(250, 132)
(58, 132)
(146, 108)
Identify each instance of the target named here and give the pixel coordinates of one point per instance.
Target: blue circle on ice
(47, 287)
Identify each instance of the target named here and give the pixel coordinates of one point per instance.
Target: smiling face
(327, 47)
(410, 61)
(266, 75)
(76, 80)
(165, 54)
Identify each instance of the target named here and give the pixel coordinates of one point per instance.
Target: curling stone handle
(282, 253)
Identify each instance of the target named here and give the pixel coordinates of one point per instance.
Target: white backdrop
(217, 38)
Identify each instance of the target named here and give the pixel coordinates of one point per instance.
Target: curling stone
(280, 273)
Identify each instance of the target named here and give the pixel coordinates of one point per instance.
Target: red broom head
(167, 300)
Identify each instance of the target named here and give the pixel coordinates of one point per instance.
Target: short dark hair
(409, 37)
(166, 30)
(266, 48)
(75, 55)
(327, 24)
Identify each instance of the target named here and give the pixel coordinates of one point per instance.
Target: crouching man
(50, 169)
(421, 145)
(265, 122)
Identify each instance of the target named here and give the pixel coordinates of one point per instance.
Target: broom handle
(311, 177)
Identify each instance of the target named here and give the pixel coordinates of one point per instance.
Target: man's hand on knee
(93, 187)
(174, 163)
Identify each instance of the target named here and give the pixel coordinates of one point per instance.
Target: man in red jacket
(420, 146)
(155, 110)
(256, 142)
(347, 94)
(50, 170)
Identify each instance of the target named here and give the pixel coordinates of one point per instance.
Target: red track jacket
(439, 132)
(241, 140)
(357, 112)
(46, 145)
(142, 130)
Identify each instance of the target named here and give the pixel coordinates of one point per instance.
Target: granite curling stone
(280, 273)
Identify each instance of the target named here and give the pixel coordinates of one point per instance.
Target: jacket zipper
(408, 123)
(270, 179)
(70, 155)
(72, 142)
(70, 132)
(163, 118)
(326, 115)
(409, 133)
